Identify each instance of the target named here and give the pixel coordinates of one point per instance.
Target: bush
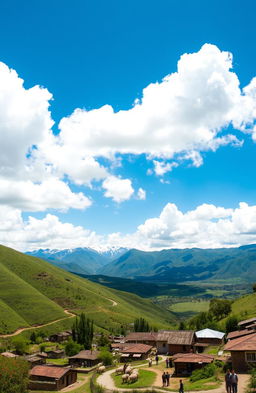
(106, 357)
(72, 348)
(20, 345)
(13, 375)
(203, 373)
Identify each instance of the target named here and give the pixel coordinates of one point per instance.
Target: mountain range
(236, 264)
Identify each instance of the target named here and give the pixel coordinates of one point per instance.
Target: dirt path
(112, 301)
(18, 331)
(107, 382)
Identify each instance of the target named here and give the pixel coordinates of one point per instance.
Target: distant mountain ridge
(83, 260)
(181, 265)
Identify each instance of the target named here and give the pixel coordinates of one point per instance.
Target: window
(251, 356)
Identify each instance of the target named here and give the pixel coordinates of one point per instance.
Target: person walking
(149, 362)
(156, 358)
(164, 379)
(167, 362)
(234, 381)
(167, 377)
(228, 381)
(181, 389)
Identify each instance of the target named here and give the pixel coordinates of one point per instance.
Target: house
(148, 338)
(243, 352)
(9, 355)
(247, 324)
(175, 341)
(86, 358)
(239, 333)
(135, 352)
(56, 354)
(210, 337)
(61, 337)
(186, 363)
(35, 360)
(51, 378)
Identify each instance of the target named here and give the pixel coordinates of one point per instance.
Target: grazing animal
(125, 378)
(101, 369)
(133, 377)
(128, 370)
(119, 370)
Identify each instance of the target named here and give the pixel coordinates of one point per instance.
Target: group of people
(150, 361)
(166, 378)
(168, 362)
(231, 380)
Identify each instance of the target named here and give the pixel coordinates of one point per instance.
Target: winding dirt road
(18, 331)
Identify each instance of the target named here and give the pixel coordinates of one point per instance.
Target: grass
(146, 379)
(58, 362)
(33, 291)
(189, 308)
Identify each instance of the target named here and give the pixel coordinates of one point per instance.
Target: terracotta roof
(137, 348)
(239, 333)
(192, 358)
(247, 321)
(246, 343)
(176, 337)
(141, 336)
(86, 355)
(49, 372)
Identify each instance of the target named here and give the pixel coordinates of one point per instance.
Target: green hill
(33, 292)
(245, 306)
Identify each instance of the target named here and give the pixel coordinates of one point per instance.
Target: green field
(146, 379)
(189, 309)
(34, 292)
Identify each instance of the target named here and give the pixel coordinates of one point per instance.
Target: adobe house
(148, 338)
(86, 358)
(35, 360)
(210, 337)
(243, 352)
(56, 354)
(135, 352)
(186, 363)
(239, 333)
(60, 337)
(175, 341)
(247, 324)
(51, 378)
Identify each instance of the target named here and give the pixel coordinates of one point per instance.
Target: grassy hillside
(32, 291)
(230, 265)
(245, 306)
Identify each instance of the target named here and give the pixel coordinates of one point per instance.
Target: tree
(33, 337)
(141, 325)
(20, 345)
(182, 326)
(219, 308)
(103, 341)
(231, 324)
(13, 375)
(72, 348)
(82, 331)
(254, 287)
(105, 357)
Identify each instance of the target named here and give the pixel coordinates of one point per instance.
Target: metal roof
(209, 333)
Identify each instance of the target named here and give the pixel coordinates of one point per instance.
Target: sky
(127, 124)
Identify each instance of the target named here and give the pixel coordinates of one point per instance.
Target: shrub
(72, 348)
(106, 357)
(13, 375)
(203, 373)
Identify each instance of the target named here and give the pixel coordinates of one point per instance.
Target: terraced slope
(32, 292)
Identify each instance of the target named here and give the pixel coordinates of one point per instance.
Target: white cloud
(52, 193)
(161, 167)
(207, 226)
(141, 194)
(184, 113)
(118, 189)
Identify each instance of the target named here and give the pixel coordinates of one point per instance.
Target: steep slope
(245, 306)
(231, 264)
(32, 291)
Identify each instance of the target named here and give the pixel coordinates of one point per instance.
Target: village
(156, 360)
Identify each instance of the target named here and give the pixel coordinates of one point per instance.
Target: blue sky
(91, 54)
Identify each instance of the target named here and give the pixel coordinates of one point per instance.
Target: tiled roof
(239, 333)
(192, 358)
(9, 355)
(246, 343)
(136, 348)
(176, 337)
(141, 336)
(49, 372)
(247, 321)
(86, 355)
